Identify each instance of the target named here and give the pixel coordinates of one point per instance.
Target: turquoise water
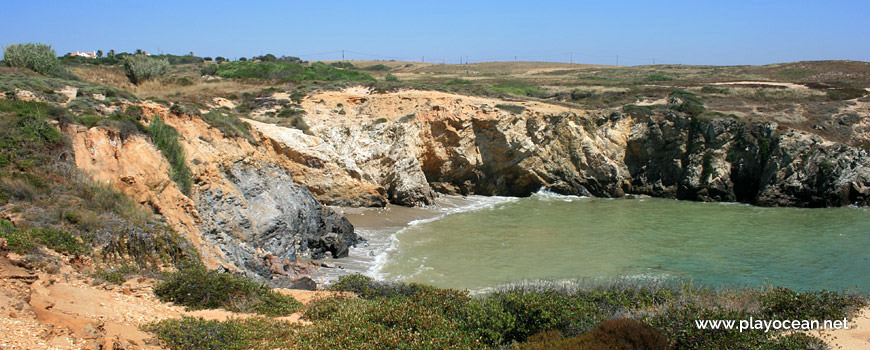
(556, 237)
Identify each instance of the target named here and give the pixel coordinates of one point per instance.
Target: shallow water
(480, 242)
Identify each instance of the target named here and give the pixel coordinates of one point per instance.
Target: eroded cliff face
(244, 206)
(415, 143)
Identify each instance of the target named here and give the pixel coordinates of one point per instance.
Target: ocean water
(479, 242)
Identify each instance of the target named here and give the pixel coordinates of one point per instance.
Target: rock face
(414, 143)
(244, 204)
(264, 210)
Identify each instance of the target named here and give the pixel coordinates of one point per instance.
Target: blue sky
(683, 32)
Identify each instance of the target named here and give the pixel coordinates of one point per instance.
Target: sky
(626, 32)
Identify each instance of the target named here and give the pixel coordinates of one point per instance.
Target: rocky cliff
(244, 205)
(416, 143)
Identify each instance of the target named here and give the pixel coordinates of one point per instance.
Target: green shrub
(686, 102)
(166, 139)
(787, 304)
(458, 81)
(190, 333)
(391, 77)
(658, 77)
(578, 94)
(140, 68)
(39, 58)
(342, 64)
(387, 323)
(18, 241)
(208, 69)
(714, 90)
(23, 241)
(377, 67)
(198, 288)
(229, 124)
(515, 109)
(368, 288)
(845, 93)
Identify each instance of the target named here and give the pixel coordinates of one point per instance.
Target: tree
(99, 53)
(112, 53)
(220, 59)
(206, 59)
(242, 59)
(139, 51)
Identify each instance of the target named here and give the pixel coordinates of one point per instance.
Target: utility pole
(572, 57)
(466, 59)
(342, 55)
(515, 58)
(617, 60)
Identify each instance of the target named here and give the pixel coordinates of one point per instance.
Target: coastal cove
(479, 242)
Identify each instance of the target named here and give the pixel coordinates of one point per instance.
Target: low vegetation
(539, 315)
(229, 124)
(198, 288)
(166, 139)
(288, 71)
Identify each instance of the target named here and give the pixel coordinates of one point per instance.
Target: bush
(578, 94)
(39, 58)
(23, 241)
(658, 77)
(391, 77)
(198, 288)
(140, 68)
(787, 304)
(197, 333)
(458, 81)
(345, 65)
(229, 124)
(714, 90)
(166, 139)
(377, 67)
(208, 69)
(845, 94)
(686, 102)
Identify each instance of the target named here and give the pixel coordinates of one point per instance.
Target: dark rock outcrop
(265, 212)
